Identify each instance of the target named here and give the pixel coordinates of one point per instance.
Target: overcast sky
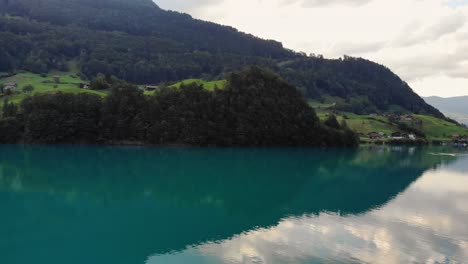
(423, 41)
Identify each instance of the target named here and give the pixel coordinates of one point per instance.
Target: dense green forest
(256, 108)
(40, 47)
(141, 43)
(365, 86)
(144, 18)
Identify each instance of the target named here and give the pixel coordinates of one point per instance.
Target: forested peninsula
(256, 108)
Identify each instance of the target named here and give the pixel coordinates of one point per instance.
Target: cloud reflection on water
(424, 224)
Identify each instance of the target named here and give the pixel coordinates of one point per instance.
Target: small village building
(374, 135)
(393, 117)
(408, 118)
(460, 139)
(455, 137)
(56, 78)
(412, 137)
(398, 136)
(151, 88)
(85, 86)
(10, 86)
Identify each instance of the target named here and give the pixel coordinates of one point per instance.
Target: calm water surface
(76, 205)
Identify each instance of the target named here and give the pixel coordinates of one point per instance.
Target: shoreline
(148, 145)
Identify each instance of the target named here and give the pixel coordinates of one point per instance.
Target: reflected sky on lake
(427, 223)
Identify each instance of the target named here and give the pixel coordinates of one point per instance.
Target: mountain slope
(145, 18)
(141, 43)
(365, 86)
(453, 107)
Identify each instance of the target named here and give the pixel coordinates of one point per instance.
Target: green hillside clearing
(434, 128)
(208, 85)
(69, 82)
(439, 129)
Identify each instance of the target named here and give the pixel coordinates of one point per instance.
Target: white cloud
(422, 41)
(315, 3)
(185, 5)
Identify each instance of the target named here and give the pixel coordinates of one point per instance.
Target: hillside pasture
(69, 82)
(434, 128)
(440, 129)
(208, 85)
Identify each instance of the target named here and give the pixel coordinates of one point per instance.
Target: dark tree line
(256, 109)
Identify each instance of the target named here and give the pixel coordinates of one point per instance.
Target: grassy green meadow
(208, 85)
(439, 129)
(69, 82)
(434, 128)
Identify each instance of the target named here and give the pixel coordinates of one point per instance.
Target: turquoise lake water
(116, 205)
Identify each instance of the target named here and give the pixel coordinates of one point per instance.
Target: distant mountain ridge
(453, 107)
(142, 43)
